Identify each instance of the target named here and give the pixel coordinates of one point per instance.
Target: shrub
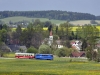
(55, 37)
(98, 56)
(61, 52)
(1, 54)
(32, 50)
(45, 49)
(89, 53)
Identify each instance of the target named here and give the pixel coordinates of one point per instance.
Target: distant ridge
(50, 14)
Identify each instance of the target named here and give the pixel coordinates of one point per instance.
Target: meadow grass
(80, 22)
(10, 55)
(21, 18)
(58, 66)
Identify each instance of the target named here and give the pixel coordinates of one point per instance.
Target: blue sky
(84, 6)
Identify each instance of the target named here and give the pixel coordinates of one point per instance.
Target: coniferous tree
(84, 45)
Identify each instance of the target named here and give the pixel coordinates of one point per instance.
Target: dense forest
(50, 14)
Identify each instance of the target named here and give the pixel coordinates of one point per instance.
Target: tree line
(50, 14)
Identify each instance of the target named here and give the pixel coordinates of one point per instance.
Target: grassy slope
(15, 19)
(58, 66)
(20, 18)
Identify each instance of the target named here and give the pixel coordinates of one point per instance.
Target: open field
(80, 22)
(20, 18)
(58, 66)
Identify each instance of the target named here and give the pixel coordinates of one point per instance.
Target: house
(77, 45)
(14, 48)
(59, 46)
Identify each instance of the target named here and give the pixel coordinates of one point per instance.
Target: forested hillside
(50, 14)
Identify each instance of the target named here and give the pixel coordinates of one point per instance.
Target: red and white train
(25, 55)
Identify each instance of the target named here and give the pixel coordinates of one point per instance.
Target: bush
(32, 50)
(55, 37)
(89, 53)
(61, 52)
(45, 49)
(1, 54)
(98, 56)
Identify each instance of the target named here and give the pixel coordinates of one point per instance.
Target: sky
(83, 6)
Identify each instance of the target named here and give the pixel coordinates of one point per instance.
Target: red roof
(78, 54)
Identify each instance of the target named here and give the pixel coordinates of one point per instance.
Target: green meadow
(58, 66)
(20, 18)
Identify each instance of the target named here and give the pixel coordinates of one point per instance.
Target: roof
(13, 47)
(78, 54)
(5, 48)
(24, 53)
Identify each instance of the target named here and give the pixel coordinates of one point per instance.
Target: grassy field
(20, 18)
(58, 66)
(80, 22)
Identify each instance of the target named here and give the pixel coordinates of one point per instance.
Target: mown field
(58, 66)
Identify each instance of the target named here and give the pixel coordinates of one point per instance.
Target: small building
(14, 48)
(59, 46)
